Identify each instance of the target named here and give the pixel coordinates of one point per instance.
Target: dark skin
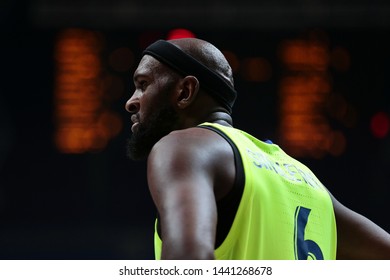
(191, 168)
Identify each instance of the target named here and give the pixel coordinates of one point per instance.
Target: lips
(134, 126)
(135, 121)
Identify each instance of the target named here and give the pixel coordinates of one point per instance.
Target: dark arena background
(312, 76)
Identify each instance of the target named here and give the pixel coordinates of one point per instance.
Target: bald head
(198, 58)
(207, 54)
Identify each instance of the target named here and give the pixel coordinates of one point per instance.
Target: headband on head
(185, 64)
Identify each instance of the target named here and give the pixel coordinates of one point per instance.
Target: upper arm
(359, 237)
(181, 179)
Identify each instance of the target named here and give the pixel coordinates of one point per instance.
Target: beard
(160, 124)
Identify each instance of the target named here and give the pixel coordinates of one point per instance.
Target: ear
(188, 91)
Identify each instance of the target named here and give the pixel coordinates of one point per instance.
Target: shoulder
(193, 153)
(189, 143)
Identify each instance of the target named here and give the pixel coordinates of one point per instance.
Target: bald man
(221, 193)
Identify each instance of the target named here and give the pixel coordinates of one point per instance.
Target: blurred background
(312, 76)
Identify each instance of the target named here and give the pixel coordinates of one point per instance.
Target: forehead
(147, 66)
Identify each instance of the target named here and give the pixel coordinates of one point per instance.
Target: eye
(143, 84)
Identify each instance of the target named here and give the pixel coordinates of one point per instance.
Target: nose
(132, 105)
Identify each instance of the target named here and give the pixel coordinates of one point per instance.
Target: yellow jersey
(285, 212)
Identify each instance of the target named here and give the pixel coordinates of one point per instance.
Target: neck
(220, 118)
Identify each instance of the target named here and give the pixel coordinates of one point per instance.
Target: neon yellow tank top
(285, 212)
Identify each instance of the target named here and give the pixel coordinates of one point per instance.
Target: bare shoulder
(193, 152)
(191, 142)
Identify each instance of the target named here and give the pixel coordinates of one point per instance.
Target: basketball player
(220, 192)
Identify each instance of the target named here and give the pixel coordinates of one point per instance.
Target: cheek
(147, 108)
(156, 97)
(145, 102)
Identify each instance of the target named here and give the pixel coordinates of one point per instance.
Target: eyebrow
(137, 75)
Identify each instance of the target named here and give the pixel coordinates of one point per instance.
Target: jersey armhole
(227, 206)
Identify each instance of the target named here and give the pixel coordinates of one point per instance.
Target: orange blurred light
(303, 93)
(83, 121)
(302, 54)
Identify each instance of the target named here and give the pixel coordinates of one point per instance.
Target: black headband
(185, 64)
